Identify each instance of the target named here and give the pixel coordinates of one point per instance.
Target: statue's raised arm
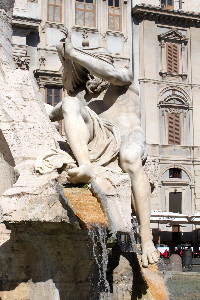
(94, 65)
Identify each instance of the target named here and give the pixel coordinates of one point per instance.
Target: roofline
(156, 13)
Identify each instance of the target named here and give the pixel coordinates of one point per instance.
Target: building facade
(160, 42)
(166, 41)
(38, 25)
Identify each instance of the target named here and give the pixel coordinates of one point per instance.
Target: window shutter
(172, 58)
(174, 136)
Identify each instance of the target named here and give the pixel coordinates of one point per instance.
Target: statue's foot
(82, 174)
(150, 254)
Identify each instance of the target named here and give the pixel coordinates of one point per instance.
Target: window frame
(115, 15)
(175, 173)
(85, 10)
(53, 87)
(174, 38)
(54, 6)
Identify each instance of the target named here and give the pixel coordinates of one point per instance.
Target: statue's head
(94, 83)
(79, 76)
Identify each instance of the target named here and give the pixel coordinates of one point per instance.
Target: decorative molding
(54, 25)
(103, 36)
(48, 77)
(114, 33)
(164, 75)
(167, 16)
(151, 169)
(178, 166)
(174, 100)
(173, 35)
(42, 61)
(22, 61)
(82, 28)
(174, 110)
(48, 48)
(22, 21)
(175, 92)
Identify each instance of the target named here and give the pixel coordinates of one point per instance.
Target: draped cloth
(102, 148)
(106, 140)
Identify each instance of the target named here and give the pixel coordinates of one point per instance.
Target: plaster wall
(195, 56)
(150, 43)
(196, 109)
(148, 98)
(192, 5)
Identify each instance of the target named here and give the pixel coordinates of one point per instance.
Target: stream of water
(98, 236)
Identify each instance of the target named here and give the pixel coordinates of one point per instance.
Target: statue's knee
(131, 159)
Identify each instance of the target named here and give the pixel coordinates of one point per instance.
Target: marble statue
(101, 113)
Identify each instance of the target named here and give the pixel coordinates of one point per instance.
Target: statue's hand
(68, 48)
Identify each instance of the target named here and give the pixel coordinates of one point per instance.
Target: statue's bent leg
(131, 162)
(78, 130)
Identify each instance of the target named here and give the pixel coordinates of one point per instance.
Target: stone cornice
(168, 82)
(167, 16)
(21, 21)
(48, 77)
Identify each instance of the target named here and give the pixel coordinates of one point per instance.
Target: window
(54, 10)
(53, 95)
(85, 13)
(168, 4)
(175, 116)
(114, 15)
(172, 52)
(174, 130)
(175, 173)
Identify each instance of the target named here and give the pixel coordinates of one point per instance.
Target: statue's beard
(96, 84)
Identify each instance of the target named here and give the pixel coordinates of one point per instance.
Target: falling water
(134, 230)
(98, 235)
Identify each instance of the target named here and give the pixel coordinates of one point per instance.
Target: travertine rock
(116, 186)
(46, 261)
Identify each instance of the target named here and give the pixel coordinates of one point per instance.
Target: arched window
(174, 118)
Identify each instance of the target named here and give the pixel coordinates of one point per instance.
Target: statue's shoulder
(133, 89)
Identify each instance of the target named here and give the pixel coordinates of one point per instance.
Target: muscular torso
(119, 105)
